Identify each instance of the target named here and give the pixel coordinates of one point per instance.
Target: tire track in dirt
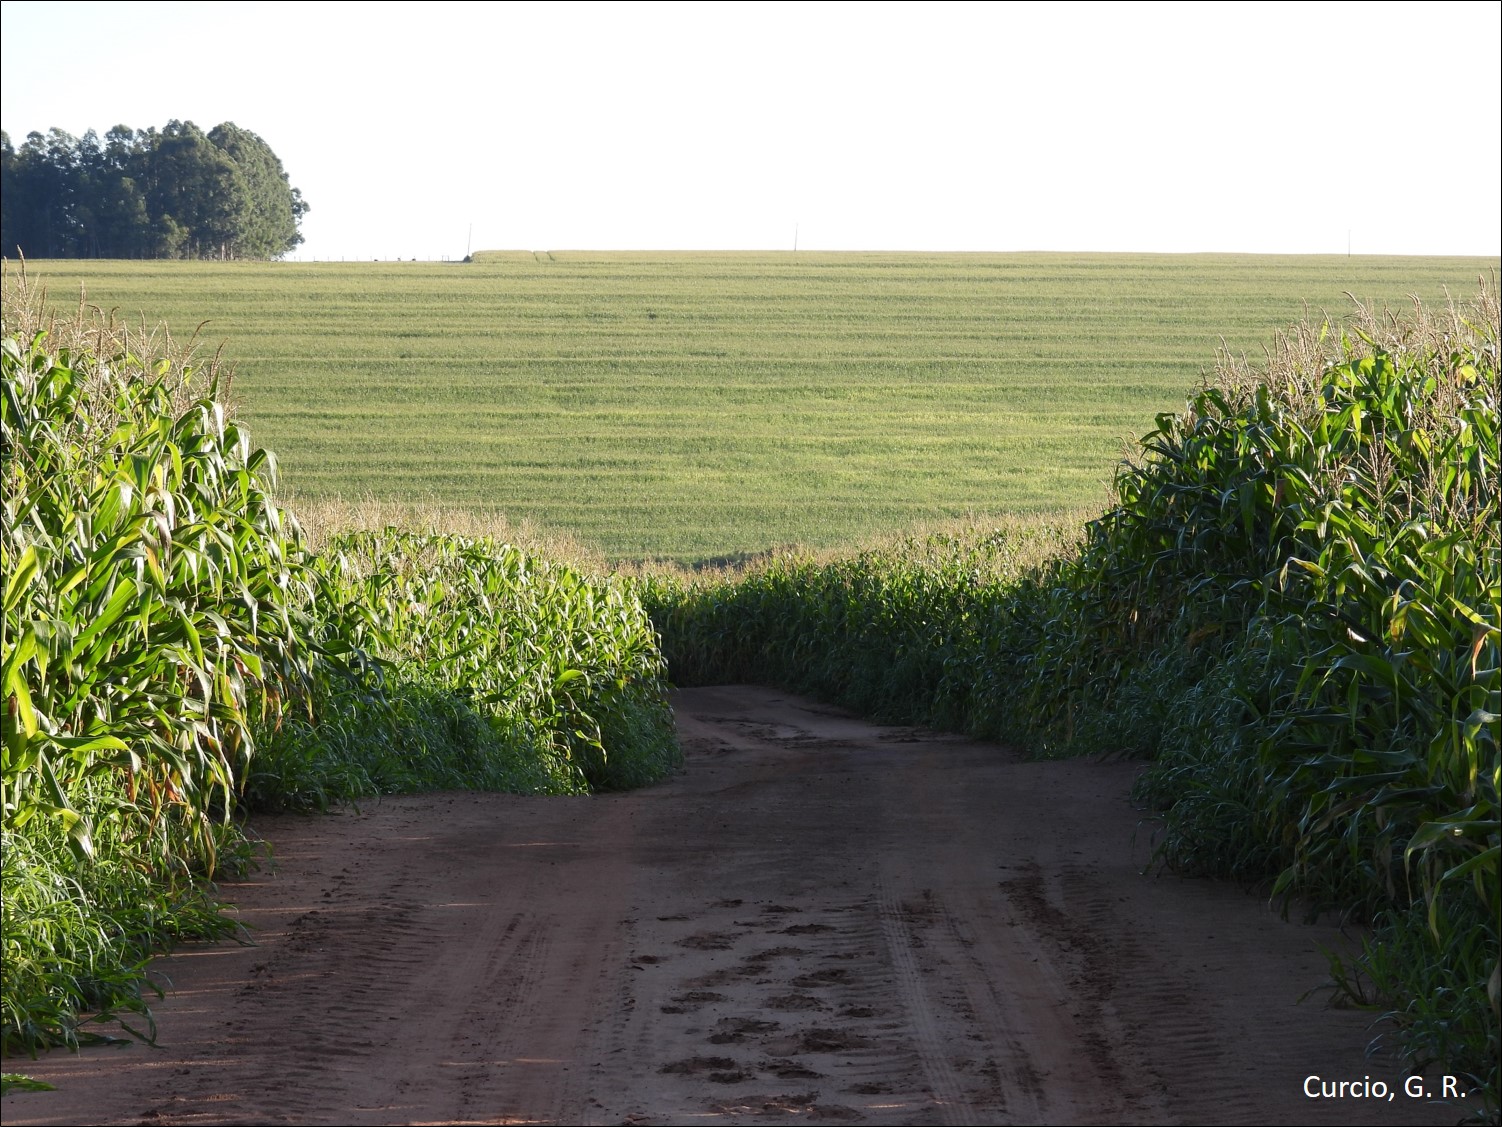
(820, 920)
(945, 1085)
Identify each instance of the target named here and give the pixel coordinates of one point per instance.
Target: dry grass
(323, 518)
(194, 373)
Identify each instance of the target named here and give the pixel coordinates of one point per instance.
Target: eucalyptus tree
(171, 193)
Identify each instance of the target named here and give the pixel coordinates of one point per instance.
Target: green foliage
(173, 193)
(149, 586)
(923, 630)
(1293, 606)
(77, 938)
(1344, 526)
(19, 1082)
(487, 669)
(266, 225)
(171, 643)
(1416, 970)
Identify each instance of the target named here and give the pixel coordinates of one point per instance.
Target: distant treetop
(173, 193)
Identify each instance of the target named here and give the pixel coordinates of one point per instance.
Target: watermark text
(1414, 1088)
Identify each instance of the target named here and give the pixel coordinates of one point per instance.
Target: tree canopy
(171, 193)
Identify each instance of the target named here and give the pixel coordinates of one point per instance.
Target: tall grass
(175, 648)
(1292, 606)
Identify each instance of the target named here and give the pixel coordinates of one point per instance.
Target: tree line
(176, 192)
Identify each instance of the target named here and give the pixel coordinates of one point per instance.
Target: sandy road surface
(820, 920)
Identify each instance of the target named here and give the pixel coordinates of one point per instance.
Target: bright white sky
(1110, 127)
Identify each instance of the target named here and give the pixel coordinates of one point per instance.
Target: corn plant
(568, 665)
(151, 585)
(154, 600)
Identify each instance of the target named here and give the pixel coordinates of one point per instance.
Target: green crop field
(693, 405)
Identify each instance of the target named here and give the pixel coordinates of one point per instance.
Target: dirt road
(820, 920)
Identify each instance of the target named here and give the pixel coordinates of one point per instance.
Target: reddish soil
(820, 920)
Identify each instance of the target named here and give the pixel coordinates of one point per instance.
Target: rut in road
(820, 920)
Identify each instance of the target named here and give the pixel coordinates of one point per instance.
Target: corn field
(174, 650)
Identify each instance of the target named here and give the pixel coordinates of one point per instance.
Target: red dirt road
(820, 920)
